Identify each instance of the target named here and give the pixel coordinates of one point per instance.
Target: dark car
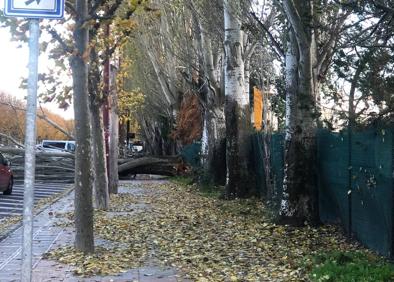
(6, 176)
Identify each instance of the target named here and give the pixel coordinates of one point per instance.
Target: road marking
(14, 203)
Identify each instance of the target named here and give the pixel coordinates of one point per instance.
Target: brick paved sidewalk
(48, 235)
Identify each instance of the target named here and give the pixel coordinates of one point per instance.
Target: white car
(57, 146)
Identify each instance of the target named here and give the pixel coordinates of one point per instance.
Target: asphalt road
(13, 204)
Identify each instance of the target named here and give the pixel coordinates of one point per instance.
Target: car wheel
(9, 189)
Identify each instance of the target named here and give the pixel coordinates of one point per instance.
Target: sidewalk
(48, 234)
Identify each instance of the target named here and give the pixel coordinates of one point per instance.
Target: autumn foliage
(189, 120)
(12, 120)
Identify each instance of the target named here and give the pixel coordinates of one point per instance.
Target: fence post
(392, 192)
(350, 170)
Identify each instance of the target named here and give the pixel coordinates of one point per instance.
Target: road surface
(11, 205)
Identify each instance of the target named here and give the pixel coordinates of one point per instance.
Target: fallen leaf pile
(205, 239)
(7, 222)
(103, 262)
(122, 202)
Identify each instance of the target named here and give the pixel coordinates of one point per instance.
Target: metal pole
(30, 156)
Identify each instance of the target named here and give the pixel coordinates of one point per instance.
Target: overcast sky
(13, 67)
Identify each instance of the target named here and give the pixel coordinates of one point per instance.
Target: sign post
(34, 10)
(30, 155)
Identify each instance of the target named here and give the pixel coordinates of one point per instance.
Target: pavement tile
(47, 235)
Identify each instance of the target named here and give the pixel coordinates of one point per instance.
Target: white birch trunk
(234, 78)
(236, 104)
(291, 80)
(299, 200)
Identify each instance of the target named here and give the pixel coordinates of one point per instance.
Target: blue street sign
(43, 9)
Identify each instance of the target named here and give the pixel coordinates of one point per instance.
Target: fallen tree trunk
(21, 152)
(168, 166)
(59, 166)
(50, 166)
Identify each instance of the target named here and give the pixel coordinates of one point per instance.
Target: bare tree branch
(58, 38)
(45, 118)
(271, 37)
(70, 8)
(12, 140)
(296, 22)
(383, 7)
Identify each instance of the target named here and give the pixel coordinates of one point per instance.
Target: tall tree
(84, 238)
(96, 97)
(299, 202)
(113, 180)
(236, 104)
(315, 28)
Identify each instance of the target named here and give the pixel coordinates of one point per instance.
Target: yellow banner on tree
(257, 108)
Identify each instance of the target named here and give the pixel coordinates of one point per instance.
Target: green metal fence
(191, 154)
(355, 181)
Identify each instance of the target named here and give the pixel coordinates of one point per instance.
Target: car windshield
(54, 145)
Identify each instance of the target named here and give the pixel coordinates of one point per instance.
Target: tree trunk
(213, 129)
(170, 166)
(291, 80)
(214, 119)
(84, 238)
(236, 106)
(100, 184)
(123, 139)
(114, 135)
(299, 200)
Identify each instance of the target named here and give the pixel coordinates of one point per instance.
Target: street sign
(44, 9)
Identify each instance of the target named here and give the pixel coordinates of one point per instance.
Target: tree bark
(100, 184)
(169, 166)
(236, 105)
(84, 238)
(213, 129)
(291, 80)
(300, 200)
(113, 134)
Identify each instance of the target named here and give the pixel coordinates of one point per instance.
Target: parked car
(136, 146)
(6, 176)
(57, 146)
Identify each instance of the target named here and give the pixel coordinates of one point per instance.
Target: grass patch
(204, 189)
(182, 180)
(210, 191)
(350, 267)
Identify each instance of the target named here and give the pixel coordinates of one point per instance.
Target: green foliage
(182, 180)
(211, 191)
(352, 266)
(204, 186)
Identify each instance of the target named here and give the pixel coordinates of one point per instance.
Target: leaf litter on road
(205, 239)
